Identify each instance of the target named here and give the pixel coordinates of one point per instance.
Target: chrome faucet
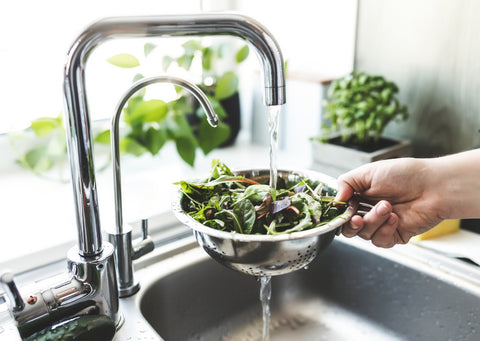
(90, 285)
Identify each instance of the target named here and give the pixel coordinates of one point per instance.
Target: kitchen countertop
(462, 244)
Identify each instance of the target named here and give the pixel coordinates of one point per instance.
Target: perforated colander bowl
(267, 255)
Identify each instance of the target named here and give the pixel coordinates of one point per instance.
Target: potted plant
(358, 108)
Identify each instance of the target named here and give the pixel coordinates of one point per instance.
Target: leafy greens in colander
(228, 202)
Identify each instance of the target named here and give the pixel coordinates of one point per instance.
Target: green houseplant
(358, 108)
(150, 123)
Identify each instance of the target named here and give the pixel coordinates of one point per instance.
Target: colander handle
(363, 208)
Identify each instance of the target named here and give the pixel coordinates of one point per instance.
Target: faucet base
(89, 287)
(122, 245)
(132, 290)
(99, 274)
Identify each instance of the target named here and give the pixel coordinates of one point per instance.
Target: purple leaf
(280, 205)
(299, 189)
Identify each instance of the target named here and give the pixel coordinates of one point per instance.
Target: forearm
(457, 180)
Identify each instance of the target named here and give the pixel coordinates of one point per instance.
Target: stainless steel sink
(352, 291)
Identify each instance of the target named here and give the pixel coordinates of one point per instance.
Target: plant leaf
(103, 137)
(155, 139)
(166, 61)
(245, 213)
(242, 54)
(179, 127)
(186, 149)
(124, 60)
(210, 138)
(137, 77)
(207, 59)
(131, 146)
(227, 85)
(191, 46)
(45, 125)
(148, 48)
(181, 105)
(37, 159)
(153, 110)
(185, 61)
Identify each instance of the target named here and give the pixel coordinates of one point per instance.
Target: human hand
(404, 197)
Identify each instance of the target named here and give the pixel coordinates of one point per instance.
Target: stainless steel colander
(268, 255)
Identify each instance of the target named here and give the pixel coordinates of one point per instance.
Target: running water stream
(273, 118)
(265, 295)
(265, 281)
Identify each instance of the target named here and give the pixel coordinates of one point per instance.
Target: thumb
(355, 181)
(344, 190)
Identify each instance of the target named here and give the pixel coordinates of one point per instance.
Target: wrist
(457, 182)
(439, 191)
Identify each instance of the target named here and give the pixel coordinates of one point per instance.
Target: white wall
(431, 49)
(317, 37)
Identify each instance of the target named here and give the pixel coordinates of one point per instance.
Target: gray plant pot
(335, 159)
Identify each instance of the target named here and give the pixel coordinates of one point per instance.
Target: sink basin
(352, 291)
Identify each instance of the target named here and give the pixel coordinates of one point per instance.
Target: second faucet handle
(144, 228)
(143, 245)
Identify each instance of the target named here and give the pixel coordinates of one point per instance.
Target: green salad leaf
(232, 203)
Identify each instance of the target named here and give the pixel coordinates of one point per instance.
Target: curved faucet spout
(115, 139)
(79, 138)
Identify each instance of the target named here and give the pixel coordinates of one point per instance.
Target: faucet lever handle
(12, 291)
(144, 245)
(144, 229)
